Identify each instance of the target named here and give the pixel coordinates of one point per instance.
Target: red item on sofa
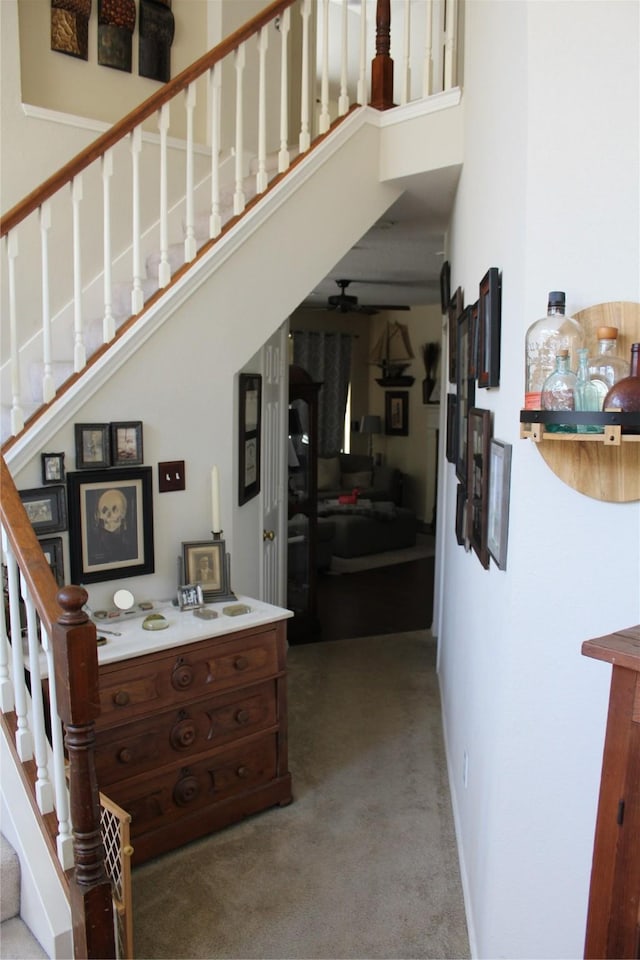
(349, 497)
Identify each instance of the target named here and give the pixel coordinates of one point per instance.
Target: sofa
(343, 472)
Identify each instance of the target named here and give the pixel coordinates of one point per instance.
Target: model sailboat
(393, 353)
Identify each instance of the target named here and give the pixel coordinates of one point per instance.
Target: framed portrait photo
(250, 406)
(478, 483)
(46, 508)
(126, 443)
(466, 390)
(499, 484)
(396, 410)
(454, 312)
(52, 467)
(110, 524)
(205, 566)
(52, 549)
(93, 446)
(190, 596)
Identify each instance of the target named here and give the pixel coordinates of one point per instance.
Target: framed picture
(454, 312)
(52, 549)
(461, 514)
(93, 446)
(205, 566)
(396, 413)
(52, 467)
(499, 484)
(126, 443)
(478, 482)
(452, 423)
(190, 596)
(249, 436)
(466, 390)
(445, 286)
(473, 341)
(489, 322)
(110, 524)
(46, 508)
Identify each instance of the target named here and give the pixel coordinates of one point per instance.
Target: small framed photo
(466, 389)
(52, 549)
(499, 495)
(52, 467)
(452, 423)
(126, 443)
(250, 403)
(461, 514)
(489, 323)
(473, 341)
(93, 446)
(396, 410)
(204, 564)
(110, 524)
(190, 597)
(454, 312)
(445, 286)
(46, 508)
(478, 482)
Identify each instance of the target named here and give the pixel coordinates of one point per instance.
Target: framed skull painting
(110, 524)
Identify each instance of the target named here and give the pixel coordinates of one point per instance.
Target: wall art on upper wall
(116, 23)
(489, 322)
(157, 28)
(70, 27)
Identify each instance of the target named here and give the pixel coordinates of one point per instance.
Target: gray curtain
(327, 359)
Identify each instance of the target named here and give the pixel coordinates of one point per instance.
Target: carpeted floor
(363, 863)
(424, 547)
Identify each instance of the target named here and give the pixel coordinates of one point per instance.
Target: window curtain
(327, 359)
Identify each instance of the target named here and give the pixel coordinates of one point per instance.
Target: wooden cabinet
(194, 737)
(613, 922)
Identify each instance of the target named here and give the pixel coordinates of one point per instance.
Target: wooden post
(76, 669)
(382, 64)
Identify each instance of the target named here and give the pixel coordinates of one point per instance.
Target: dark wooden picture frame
(499, 498)
(46, 508)
(452, 424)
(473, 341)
(110, 524)
(489, 329)
(53, 551)
(461, 513)
(205, 566)
(93, 446)
(396, 413)
(52, 467)
(456, 306)
(466, 390)
(249, 452)
(478, 482)
(126, 443)
(445, 286)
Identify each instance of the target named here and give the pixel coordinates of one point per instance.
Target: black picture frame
(499, 498)
(110, 524)
(396, 413)
(249, 444)
(473, 341)
(489, 328)
(452, 425)
(478, 482)
(461, 514)
(46, 508)
(93, 446)
(52, 467)
(466, 391)
(445, 286)
(454, 312)
(205, 566)
(126, 443)
(54, 554)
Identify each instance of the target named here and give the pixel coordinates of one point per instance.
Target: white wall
(549, 194)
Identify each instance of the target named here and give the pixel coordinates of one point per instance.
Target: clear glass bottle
(558, 392)
(588, 393)
(544, 339)
(605, 365)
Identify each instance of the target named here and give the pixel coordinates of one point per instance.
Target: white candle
(215, 501)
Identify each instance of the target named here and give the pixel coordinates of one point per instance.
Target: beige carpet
(363, 863)
(424, 547)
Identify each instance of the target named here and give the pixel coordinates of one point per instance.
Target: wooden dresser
(192, 733)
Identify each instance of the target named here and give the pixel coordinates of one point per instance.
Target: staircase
(16, 940)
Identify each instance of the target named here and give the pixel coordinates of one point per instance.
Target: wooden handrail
(133, 119)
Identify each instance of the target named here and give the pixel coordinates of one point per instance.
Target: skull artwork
(112, 510)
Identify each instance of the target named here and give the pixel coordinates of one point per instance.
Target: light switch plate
(171, 476)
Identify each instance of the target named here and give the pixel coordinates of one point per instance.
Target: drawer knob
(186, 790)
(182, 676)
(241, 663)
(125, 756)
(242, 716)
(183, 735)
(243, 772)
(121, 698)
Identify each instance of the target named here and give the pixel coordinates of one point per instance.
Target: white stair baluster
(17, 414)
(343, 100)
(108, 321)
(238, 197)
(164, 267)
(48, 386)
(324, 121)
(262, 180)
(215, 80)
(305, 137)
(64, 840)
(362, 73)
(7, 701)
(190, 248)
(137, 293)
(405, 85)
(451, 14)
(24, 742)
(428, 50)
(79, 352)
(283, 155)
(43, 785)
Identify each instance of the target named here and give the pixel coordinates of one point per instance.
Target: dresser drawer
(150, 742)
(164, 797)
(155, 682)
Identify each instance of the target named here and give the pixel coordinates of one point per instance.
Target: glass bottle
(544, 339)
(588, 393)
(558, 392)
(625, 394)
(605, 365)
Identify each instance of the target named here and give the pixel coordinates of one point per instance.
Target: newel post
(382, 64)
(76, 670)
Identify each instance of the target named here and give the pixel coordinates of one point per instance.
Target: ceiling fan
(346, 303)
